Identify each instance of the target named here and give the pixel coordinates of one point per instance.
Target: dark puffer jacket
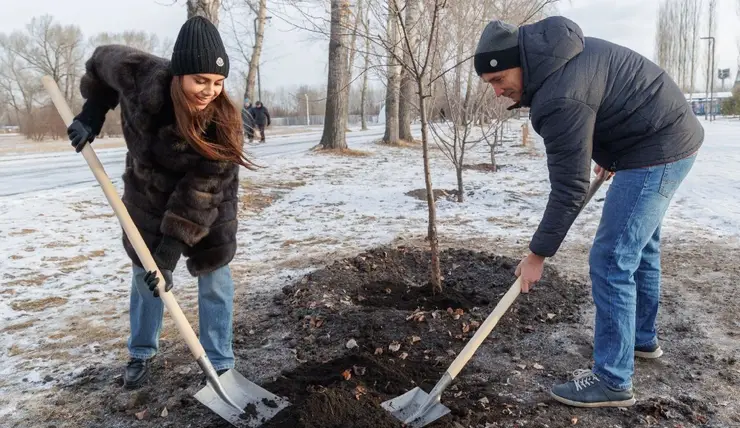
(169, 189)
(590, 98)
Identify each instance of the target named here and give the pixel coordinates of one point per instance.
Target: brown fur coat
(169, 188)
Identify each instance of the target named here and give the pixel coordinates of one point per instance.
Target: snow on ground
(65, 277)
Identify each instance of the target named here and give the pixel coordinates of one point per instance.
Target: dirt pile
(343, 339)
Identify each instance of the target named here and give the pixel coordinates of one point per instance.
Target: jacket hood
(545, 47)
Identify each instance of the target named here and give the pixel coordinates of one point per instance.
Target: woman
(184, 140)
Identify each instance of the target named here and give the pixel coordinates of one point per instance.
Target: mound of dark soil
(343, 339)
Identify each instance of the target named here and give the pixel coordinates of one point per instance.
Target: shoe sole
(649, 355)
(623, 403)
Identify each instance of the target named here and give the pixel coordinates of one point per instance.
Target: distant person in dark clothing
(248, 120)
(261, 118)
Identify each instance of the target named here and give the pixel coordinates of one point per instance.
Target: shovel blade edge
(259, 404)
(406, 405)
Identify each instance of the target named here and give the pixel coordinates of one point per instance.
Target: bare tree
(205, 8)
(393, 87)
(365, 72)
(337, 88)
(406, 106)
(254, 59)
(675, 39)
(49, 48)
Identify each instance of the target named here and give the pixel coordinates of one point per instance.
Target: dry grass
(312, 241)
(59, 244)
(256, 197)
(20, 326)
(27, 281)
(21, 232)
(401, 144)
(98, 216)
(30, 305)
(343, 152)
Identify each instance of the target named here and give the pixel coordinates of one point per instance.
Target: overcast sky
(293, 57)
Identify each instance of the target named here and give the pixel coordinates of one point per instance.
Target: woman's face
(201, 89)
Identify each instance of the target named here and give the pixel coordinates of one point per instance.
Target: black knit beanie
(199, 49)
(498, 48)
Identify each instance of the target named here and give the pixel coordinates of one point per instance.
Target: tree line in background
(681, 47)
(421, 51)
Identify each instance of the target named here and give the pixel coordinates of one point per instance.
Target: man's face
(507, 83)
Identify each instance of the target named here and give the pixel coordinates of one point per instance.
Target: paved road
(23, 174)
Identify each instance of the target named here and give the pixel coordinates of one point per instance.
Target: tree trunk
(353, 50)
(337, 88)
(406, 106)
(435, 274)
(254, 61)
(394, 77)
(205, 8)
(459, 173)
(363, 95)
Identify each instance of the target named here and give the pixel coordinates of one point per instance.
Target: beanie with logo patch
(199, 49)
(498, 48)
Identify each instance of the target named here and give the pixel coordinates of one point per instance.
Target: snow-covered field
(65, 276)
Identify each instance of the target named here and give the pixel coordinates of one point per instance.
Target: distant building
(699, 102)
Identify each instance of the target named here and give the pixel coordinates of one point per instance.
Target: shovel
(231, 395)
(416, 408)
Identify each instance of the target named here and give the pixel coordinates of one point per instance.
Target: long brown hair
(222, 113)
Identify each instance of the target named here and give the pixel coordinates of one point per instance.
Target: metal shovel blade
(407, 405)
(259, 404)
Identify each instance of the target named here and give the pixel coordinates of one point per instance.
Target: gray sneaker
(648, 352)
(587, 390)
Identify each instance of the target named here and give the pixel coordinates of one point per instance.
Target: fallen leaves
(142, 414)
(456, 313)
(347, 374)
(415, 339)
(360, 391)
(418, 316)
(378, 351)
(351, 344)
(359, 370)
(394, 346)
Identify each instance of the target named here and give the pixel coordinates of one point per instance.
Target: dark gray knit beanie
(199, 49)
(498, 48)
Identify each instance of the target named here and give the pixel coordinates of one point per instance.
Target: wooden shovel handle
(503, 305)
(128, 225)
(485, 329)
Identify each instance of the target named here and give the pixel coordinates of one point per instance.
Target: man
(591, 99)
(261, 117)
(248, 120)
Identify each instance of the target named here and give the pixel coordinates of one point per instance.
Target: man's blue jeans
(625, 266)
(215, 315)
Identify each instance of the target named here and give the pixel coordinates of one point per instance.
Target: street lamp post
(710, 80)
(259, 80)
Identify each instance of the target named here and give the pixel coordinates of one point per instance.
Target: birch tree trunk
(393, 87)
(254, 61)
(337, 88)
(204, 8)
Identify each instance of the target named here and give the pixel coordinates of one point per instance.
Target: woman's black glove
(87, 125)
(80, 134)
(152, 281)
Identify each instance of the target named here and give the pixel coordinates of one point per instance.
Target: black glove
(152, 281)
(80, 134)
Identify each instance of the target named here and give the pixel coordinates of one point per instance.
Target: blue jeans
(625, 266)
(215, 313)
